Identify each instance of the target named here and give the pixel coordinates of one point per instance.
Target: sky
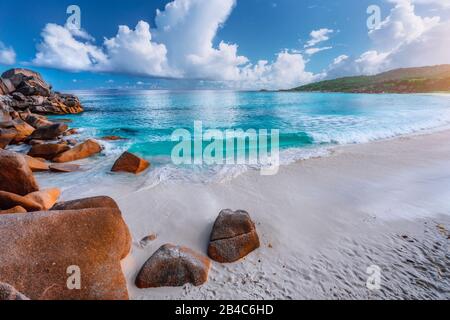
(219, 44)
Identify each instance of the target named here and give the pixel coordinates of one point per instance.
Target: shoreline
(351, 209)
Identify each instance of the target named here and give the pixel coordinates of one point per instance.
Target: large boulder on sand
(93, 202)
(233, 237)
(27, 82)
(15, 174)
(81, 151)
(40, 251)
(173, 266)
(128, 162)
(9, 293)
(47, 151)
(50, 132)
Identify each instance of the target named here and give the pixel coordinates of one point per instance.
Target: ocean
(309, 125)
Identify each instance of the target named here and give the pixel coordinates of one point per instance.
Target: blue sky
(191, 56)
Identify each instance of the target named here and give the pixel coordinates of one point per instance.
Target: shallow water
(308, 124)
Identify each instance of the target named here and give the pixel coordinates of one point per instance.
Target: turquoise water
(308, 122)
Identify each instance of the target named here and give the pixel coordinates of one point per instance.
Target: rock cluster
(25, 90)
(41, 239)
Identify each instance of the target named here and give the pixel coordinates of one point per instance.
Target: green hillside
(407, 80)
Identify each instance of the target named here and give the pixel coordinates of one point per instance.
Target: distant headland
(407, 80)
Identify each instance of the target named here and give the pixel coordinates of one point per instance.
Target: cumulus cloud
(63, 49)
(132, 51)
(180, 46)
(287, 71)
(403, 39)
(187, 28)
(7, 55)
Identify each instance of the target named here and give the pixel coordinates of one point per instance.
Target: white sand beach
(321, 222)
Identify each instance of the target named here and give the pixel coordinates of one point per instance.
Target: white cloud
(132, 51)
(404, 39)
(61, 48)
(181, 46)
(441, 3)
(318, 36)
(287, 71)
(187, 28)
(312, 51)
(7, 55)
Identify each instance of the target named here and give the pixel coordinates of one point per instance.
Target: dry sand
(321, 221)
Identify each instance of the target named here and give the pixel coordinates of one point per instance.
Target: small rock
(70, 132)
(48, 151)
(233, 237)
(15, 210)
(64, 167)
(24, 130)
(62, 120)
(71, 142)
(10, 200)
(37, 121)
(81, 151)
(442, 230)
(50, 132)
(35, 142)
(36, 165)
(7, 136)
(19, 96)
(46, 198)
(15, 174)
(112, 138)
(173, 266)
(9, 293)
(128, 162)
(146, 240)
